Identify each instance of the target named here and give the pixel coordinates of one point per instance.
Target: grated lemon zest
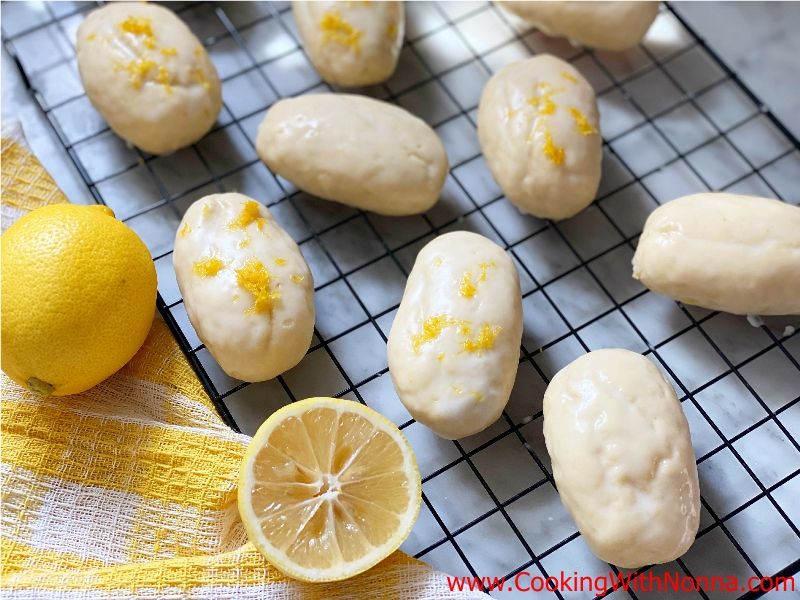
(581, 122)
(569, 76)
(554, 153)
(543, 100)
(138, 68)
(337, 30)
(250, 213)
(432, 328)
(468, 287)
(137, 26)
(254, 278)
(208, 267)
(483, 341)
(163, 78)
(200, 77)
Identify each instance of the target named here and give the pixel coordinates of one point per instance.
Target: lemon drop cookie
(739, 254)
(355, 150)
(79, 296)
(148, 75)
(328, 488)
(622, 458)
(351, 43)
(539, 130)
(454, 344)
(246, 286)
(603, 25)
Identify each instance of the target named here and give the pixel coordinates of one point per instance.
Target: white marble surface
(759, 42)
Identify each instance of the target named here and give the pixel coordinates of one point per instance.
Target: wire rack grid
(675, 120)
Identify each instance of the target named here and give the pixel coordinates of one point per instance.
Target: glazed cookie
(351, 43)
(622, 458)
(738, 254)
(604, 25)
(148, 75)
(352, 149)
(247, 288)
(538, 129)
(454, 344)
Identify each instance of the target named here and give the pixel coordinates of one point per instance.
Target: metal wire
(474, 212)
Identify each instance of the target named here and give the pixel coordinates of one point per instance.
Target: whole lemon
(78, 297)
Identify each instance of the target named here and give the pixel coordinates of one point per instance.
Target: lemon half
(328, 488)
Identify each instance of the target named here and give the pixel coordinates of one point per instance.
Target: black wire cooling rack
(675, 120)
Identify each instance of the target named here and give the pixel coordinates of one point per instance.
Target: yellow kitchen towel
(129, 490)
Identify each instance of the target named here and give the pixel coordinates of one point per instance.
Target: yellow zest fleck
(198, 50)
(510, 113)
(459, 391)
(254, 278)
(483, 341)
(468, 287)
(163, 79)
(250, 213)
(208, 267)
(140, 26)
(235, 297)
(438, 261)
(391, 31)
(207, 210)
(543, 100)
(137, 26)
(244, 242)
(280, 262)
(169, 51)
(569, 76)
(138, 69)
(581, 122)
(336, 29)
(432, 328)
(297, 278)
(554, 153)
(91, 37)
(185, 230)
(200, 77)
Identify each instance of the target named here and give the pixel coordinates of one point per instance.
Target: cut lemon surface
(328, 488)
